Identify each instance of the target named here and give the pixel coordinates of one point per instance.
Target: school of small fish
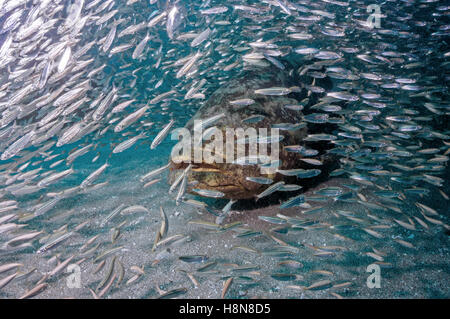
(87, 84)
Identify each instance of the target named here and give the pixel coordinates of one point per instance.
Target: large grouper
(244, 103)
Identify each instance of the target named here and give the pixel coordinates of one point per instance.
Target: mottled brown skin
(231, 178)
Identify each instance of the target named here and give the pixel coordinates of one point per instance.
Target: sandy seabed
(421, 272)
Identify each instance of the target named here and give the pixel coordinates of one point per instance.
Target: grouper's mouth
(201, 167)
(226, 178)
